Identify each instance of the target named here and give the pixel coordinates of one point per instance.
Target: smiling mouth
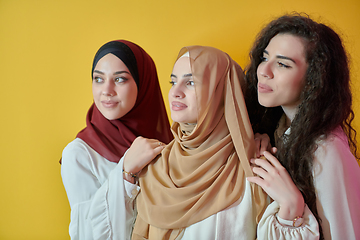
(109, 104)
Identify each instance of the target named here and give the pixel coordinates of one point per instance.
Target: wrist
(130, 177)
(296, 222)
(130, 168)
(293, 209)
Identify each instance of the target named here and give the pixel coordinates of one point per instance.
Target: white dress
(337, 182)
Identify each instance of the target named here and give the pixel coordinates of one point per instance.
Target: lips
(177, 106)
(263, 88)
(109, 104)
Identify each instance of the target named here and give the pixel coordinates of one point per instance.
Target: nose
(109, 89)
(177, 91)
(264, 70)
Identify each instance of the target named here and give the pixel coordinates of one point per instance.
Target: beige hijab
(202, 171)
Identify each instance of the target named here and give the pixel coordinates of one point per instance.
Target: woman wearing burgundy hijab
(127, 104)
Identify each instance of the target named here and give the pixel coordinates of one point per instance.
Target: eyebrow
(185, 75)
(281, 57)
(99, 72)
(115, 73)
(120, 72)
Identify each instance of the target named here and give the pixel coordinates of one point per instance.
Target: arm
(102, 203)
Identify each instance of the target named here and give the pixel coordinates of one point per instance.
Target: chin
(109, 116)
(264, 103)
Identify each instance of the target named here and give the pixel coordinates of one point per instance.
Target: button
(134, 192)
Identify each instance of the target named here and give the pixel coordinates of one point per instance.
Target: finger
(255, 180)
(257, 147)
(263, 163)
(260, 172)
(262, 183)
(273, 150)
(158, 149)
(264, 146)
(265, 143)
(273, 160)
(157, 143)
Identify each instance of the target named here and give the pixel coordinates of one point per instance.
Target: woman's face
(282, 72)
(182, 96)
(114, 89)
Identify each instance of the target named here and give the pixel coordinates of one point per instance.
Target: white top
(337, 182)
(102, 205)
(101, 201)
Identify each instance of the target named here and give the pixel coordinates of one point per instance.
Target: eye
(97, 79)
(263, 59)
(120, 79)
(190, 83)
(280, 64)
(172, 83)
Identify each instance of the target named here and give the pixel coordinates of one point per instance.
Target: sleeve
(271, 227)
(100, 208)
(337, 182)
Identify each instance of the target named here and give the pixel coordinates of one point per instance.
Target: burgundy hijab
(148, 118)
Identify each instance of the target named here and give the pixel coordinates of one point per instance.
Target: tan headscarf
(202, 171)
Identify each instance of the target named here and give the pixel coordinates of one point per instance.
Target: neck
(290, 114)
(187, 128)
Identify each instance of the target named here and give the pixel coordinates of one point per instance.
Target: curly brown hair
(326, 98)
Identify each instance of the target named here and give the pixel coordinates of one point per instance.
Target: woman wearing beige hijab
(197, 188)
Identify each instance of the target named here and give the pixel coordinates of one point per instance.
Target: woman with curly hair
(299, 93)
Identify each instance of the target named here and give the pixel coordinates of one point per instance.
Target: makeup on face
(114, 89)
(281, 74)
(182, 95)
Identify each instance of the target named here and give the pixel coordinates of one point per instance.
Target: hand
(262, 143)
(141, 152)
(277, 183)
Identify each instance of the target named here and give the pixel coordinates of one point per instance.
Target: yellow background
(46, 52)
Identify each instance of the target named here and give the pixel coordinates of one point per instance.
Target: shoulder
(77, 150)
(332, 147)
(76, 144)
(334, 154)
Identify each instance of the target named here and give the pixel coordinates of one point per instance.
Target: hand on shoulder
(141, 152)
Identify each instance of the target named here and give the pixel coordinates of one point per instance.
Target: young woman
(196, 188)
(127, 103)
(299, 72)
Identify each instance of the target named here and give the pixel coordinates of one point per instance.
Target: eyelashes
(188, 83)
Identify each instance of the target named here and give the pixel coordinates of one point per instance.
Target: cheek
(129, 94)
(298, 85)
(133, 97)
(195, 107)
(95, 91)
(258, 70)
(170, 94)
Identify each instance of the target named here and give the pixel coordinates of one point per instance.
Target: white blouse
(337, 183)
(103, 207)
(101, 201)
